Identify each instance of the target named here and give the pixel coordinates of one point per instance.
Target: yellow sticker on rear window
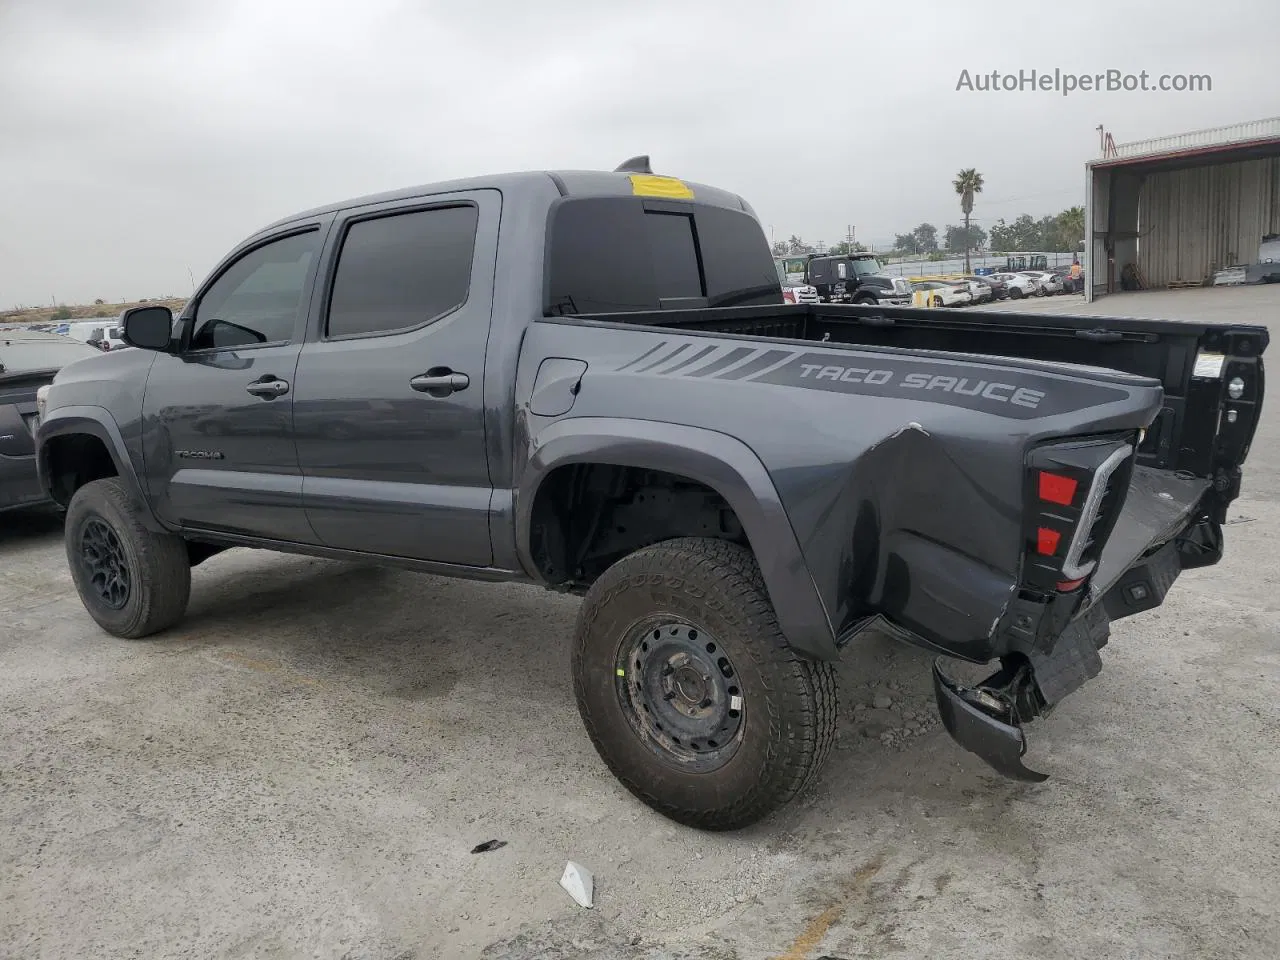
(647, 185)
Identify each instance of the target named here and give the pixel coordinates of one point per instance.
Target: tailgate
(1188, 468)
(18, 413)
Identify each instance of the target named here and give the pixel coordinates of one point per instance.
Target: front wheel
(688, 688)
(132, 581)
(937, 301)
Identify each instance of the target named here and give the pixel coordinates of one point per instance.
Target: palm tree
(967, 183)
(1072, 226)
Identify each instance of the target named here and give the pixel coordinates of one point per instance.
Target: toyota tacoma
(590, 381)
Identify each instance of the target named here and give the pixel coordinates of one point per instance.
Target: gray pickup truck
(589, 381)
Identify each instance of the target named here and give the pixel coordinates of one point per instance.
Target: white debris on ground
(578, 883)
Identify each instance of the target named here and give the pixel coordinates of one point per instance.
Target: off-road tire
(790, 701)
(158, 565)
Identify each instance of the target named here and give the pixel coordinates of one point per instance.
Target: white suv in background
(1049, 282)
(1019, 285)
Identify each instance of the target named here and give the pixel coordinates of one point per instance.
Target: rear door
(389, 406)
(218, 447)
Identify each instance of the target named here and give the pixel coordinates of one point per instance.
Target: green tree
(1022, 234)
(844, 247)
(1067, 232)
(958, 239)
(926, 235)
(967, 183)
(906, 243)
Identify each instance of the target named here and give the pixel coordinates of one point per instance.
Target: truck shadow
(491, 657)
(26, 527)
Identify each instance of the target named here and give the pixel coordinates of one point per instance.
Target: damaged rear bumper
(987, 718)
(999, 743)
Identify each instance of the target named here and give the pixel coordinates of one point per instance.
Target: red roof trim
(1178, 154)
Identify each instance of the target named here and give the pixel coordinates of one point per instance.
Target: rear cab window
(622, 254)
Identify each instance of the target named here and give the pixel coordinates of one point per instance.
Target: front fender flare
(724, 464)
(95, 422)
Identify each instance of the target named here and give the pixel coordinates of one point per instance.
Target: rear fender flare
(724, 464)
(95, 422)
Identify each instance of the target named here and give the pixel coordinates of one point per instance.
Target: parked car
(606, 396)
(999, 291)
(940, 293)
(1018, 285)
(793, 292)
(800, 293)
(112, 339)
(1072, 283)
(979, 292)
(29, 359)
(1050, 283)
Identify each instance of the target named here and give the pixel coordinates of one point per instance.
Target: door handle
(440, 382)
(268, 389)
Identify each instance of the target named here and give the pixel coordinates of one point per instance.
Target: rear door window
(403, 270)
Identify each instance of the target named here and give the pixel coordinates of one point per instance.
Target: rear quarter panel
(901, 472)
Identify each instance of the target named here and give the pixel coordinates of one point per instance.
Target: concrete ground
(302, 768)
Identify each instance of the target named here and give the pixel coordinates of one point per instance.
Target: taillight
(788, 296)
(1074, 492)
(1056, 488)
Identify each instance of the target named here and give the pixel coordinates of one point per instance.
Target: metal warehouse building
(1179, 208)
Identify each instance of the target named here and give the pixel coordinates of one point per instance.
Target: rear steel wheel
(689, 691)
(678, 691)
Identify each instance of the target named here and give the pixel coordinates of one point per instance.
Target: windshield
(865, 266)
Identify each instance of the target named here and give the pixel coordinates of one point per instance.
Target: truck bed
(1186, 437)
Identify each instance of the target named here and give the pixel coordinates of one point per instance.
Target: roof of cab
(569, 183)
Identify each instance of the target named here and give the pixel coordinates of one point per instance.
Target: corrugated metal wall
(1197, 220)
(1096, 213)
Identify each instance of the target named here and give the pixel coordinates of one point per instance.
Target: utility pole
(848, 236)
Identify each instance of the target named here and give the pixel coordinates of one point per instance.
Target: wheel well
(74, 460)
(586, 516)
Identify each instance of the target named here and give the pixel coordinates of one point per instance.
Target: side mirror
(149, 328)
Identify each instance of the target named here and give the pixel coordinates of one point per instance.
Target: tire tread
(164, 577)
(800, 746)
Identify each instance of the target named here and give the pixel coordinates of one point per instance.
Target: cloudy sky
(139, 139)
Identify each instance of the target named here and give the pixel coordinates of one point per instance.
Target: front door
(219, 453)
(389, 407)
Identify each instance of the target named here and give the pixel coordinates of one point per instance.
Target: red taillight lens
(1055, 488)
(1047, 541)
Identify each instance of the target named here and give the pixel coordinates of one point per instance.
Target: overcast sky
(140, 139)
